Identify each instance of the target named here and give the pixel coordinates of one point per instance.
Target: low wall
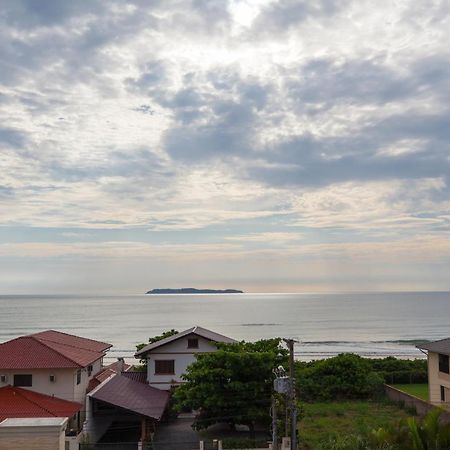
(422, 407)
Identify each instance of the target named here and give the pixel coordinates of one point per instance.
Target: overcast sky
(264, 145)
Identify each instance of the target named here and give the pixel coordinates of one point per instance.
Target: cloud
(243, 124)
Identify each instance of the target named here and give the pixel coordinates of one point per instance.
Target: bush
(346, 376)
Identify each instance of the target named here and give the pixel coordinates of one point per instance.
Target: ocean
(369, 324)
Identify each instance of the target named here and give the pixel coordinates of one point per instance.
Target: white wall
(182, 355)
(64, 387)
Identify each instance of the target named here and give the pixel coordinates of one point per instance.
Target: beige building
(33, 433)
(438, 353)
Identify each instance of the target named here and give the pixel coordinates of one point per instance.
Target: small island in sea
(194, 291)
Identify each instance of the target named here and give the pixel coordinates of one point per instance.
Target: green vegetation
(407, 434)
(418, 390)
(232, 385)
(325, 422)
(346, 376)
(349, 376)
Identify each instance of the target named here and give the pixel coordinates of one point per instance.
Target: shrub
(346, 376)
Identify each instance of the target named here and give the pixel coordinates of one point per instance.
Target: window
(443, 364)
(23, 380)
(164, 367)
(442, 394)
(192, 343)
(3, 378)
(89, 369)
(78, 376)
(52, 378)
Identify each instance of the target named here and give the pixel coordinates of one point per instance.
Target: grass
(323, 420)
(418, 390)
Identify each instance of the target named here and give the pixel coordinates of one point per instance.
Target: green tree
(430, 433)
(232, 385)
(346, 376)
(151, 340)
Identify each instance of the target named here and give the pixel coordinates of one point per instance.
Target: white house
(168, 358)
(438, 353)
(52, 363)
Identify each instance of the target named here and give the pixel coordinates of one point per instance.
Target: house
(438, 355)
(52, 363)
(168, 359)
(32, 420)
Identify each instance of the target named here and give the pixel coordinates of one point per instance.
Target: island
(194, 291)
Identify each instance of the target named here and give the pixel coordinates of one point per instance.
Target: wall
(64, 387)
(422, 407)
(183, 356)
(32, 438)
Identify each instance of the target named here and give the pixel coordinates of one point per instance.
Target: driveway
(176, 435)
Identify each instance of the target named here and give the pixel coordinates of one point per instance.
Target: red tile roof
(133, 396)
(17, 402)
(105, 373)
(50, 350)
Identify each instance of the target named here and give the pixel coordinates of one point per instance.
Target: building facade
(438, 357)
(168, 359)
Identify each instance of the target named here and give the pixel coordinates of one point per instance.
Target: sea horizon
(370, 324)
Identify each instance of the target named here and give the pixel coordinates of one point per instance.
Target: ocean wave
(413, 342)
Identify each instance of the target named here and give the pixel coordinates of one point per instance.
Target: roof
(133, 396)
(140, 377)
(106, 372)
(34, 422)
(442, 346)
(16, 402)
(50, 350)
(199, 331)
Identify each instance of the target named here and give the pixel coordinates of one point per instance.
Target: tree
(233, 384)
(346, 376)
(151, 340)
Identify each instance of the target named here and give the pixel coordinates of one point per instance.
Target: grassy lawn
(323, 420)
(418, 390)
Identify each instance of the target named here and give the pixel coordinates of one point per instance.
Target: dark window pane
(192, 343)
(442, 394)
(164, 367)
(23, 380)
(444, 364)
(78, 376)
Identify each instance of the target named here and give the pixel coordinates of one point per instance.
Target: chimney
(120, 365)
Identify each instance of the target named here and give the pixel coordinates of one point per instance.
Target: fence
(421, 407)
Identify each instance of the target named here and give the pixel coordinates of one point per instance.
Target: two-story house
(438, 354)
(52, 363)
(168, 359)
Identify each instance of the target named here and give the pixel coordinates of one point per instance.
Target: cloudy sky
(265, 145)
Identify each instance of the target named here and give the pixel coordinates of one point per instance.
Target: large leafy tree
(233, 384)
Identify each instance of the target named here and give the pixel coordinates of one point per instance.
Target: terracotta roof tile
(17, 402)
(50, 350)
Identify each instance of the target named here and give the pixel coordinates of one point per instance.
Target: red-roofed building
(17, 403)
(52, 363)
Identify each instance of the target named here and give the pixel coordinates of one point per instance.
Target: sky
(269, 146)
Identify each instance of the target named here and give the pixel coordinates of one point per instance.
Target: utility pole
(274, 424)
(290, 343)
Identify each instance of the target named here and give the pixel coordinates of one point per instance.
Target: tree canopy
(233, 384)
